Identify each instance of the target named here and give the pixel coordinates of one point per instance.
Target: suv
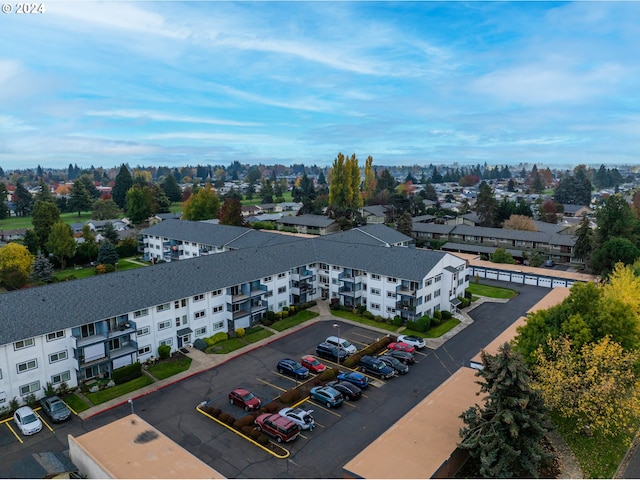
(286, 366)
(394, 363)
(330, 352)
(343, 344)
(277, 426)
(375, 366)
(55, 409)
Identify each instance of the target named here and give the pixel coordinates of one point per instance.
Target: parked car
(299, 416)
(286, 366)
(392, 362)
(328, 396)
(55, 409)
(27, 421)
(404, 357)
(375, 366)
(342, 343)
(549, 263)
(245, 399)
(331, 352)
(275, 425)
(403, 347)
(413, 340)
(313, 364)
(357, 378)
(349, 390)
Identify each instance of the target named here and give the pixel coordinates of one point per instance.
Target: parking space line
(6, 422)
(324, 408)
(42, 419)
(72, 410)
(297, 382)
(272, 385)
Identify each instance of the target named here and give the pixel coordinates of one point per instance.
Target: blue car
(327, 396)
(286, 366)
(357, 378)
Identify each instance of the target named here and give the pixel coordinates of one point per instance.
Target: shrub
(285, 313)
(437, 315)
(271, 407)
(290, 396)
(285, 309)
(240, 332)
(355, 311)
(14, 404)
(62, 389)
(292, 309)
(164, 351)
(328, 375)
(468, 294)
(255, 433)
(465, 303)
(244, 421)
(446, 315)
(362, 309)
(397, 321)
(49, 390)
(30, 400)
(367, 314)
(262, 439)
(216, 412)
(271, 315)
(110, 268)
(100, 269)
(230, 420)
(350, 362)
(223, 417)
(246, 430)
(378, 318)
(218, 337)
(411, 325)
(126, 373)
(423, 323)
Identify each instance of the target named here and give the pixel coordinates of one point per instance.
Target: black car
(405, 357)
(55, 409)
(400, 367)
(331, 352)
(286, 366)
(375, 366)
(349, 390)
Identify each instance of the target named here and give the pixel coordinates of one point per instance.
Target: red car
(313, 364)
(403, 347)
(245, 399)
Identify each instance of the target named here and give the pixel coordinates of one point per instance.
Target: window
(141, 313)
(199, 314)
(334, 281)
(375, 291)
(217, 309)
(375, 306)
(87, 330)
(201, 331)
(197, 298)
(163, 307)
(391, 310)
(218, 325)
(461, 281)
(282, 275)
(324, 279)
(336, 268)
(438, 278)
(57, 357)
(282, 289)
(428, 282)
(180, 303)
(392, 280)
(29, 388)
(142, 331)
(281, 305)
(144, 350)
(28, 365)
(436, 293)
(168, 341)
(55, 335)
(164, 325)
(215, 293)
(391, 294)
(61, 377)
(267, 279)
(29, 342)
(269, 293)
(427, 298)
(0, 374)
(324, 266)
(375, 276)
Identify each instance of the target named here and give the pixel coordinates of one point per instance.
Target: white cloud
(161, 117)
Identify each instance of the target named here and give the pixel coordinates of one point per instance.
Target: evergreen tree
(386, 182)
(122, 185)
(4, 210)
(30, 240)
(79, 198)
(23, 201)
(405, 224)
(44, 194)
(161, 203)
(322, 180)
(107, 254)
(87, 181)
(486, 206)
(584, 241)
(110, 233)
(171, 188)
(45, 215)
(231, 212)
(616, 219)
(505, 433)
(42, 269)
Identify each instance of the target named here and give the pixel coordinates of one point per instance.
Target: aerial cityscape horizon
(410, 83)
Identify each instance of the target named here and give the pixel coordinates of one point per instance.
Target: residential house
(313, 224)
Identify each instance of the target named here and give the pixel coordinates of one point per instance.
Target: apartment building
(80, 330)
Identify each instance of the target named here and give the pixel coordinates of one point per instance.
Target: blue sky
(199, 82)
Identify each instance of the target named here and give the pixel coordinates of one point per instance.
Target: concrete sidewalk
(201, 361)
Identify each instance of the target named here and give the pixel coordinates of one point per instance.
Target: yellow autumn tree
(13, 255)
(623, 285)
(369, 183)
(596, 386)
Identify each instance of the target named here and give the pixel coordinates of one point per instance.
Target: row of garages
(522, 278)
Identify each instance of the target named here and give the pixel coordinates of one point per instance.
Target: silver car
(300, 417)
(27, 421)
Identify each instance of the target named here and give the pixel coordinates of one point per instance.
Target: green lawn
(293, 320)
(166, 368)
(364, 321)
(252, 335)
(493, 292)
(25, 222)
(118, 390)
(598, 456)
(76, 403)
(84, 272)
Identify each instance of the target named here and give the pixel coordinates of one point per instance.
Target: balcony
(406, 306)
(84, 341)
(407, 290)
(124, 350)
(301, 274)
(123, 329)
(349, 291)
(240, 314)
(350, 276)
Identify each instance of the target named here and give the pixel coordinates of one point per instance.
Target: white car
(27, 421)
(412, 340)
(300, 417)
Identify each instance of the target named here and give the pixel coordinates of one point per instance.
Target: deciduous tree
(140, 204)
(61, 243)
(500, 255)
(520, 222)
(505, 433)
(231, 212)
(203, 205)
(45, 215)
(15, 256)
(105, 209)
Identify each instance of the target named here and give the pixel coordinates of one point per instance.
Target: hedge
(126, 373)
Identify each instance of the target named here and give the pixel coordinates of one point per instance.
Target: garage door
(559, 283)
(544, 282)
(530, 280)
(492, 274)
(504, 276)
(517, 278)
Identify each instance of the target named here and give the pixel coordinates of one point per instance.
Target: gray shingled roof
(307, 220)
(199, 232)
(39, 310)
(432, 228)
(374, 234)
(467, 248)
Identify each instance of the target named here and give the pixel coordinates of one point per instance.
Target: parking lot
(340, 433)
